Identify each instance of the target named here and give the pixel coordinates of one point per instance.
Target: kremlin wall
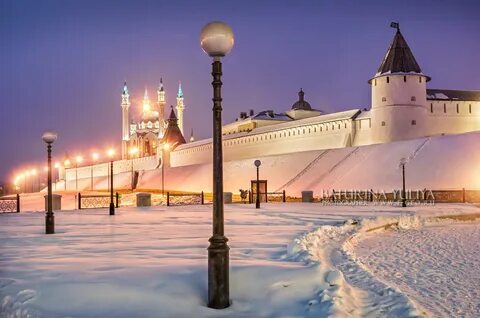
(305, 148)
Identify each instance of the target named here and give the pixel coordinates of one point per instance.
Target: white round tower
(399, 101)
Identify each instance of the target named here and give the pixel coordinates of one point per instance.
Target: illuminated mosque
(142, 138)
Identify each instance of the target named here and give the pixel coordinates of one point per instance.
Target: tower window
(383, 123)
(431, 107)
(384, 99)
(419, 79)
(375, 81)
(414, 122)
(444, 108)
(458, 109)
(470, 108)
(404, 78)
(388, 79)
(413, 98)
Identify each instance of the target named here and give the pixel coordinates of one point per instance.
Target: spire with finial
(172, 116)
(301, 103)
(125, 88)
(180, 92)
(146, 102)
(160, 85)
(173, 136)
(399, 57)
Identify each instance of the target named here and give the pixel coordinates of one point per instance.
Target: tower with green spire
(180, 107)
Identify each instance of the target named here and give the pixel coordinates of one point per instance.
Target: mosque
(142, 138)
(402, 108)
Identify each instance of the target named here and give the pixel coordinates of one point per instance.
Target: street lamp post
(57, 174)
(404, 193)
(78, 160)
(34, 174)
(66, 164)
(49, 138)
(110, 153)
(94, 159)
(166, 147)
(133, 151)
(257, 201)
(216, 39)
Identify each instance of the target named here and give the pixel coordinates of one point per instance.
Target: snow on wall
(442, 162)
(445, 162)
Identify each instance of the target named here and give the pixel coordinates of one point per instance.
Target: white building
(142, 138)
(402, 108)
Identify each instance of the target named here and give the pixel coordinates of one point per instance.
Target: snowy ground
(287, 260)
(437, 265)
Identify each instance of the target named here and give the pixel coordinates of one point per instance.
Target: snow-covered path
(151, 262)
(435, 265)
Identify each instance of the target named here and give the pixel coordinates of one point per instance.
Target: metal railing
(93, 201)
(10, 205)
(269, 196)
(185, 198)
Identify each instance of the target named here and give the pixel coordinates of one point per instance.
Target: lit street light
(110, 154)
(49, 138)
(257, 202)
(216, 39)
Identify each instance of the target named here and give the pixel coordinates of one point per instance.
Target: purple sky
(62, 63)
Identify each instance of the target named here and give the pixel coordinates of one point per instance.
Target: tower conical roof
(399, 58)
(173, 136)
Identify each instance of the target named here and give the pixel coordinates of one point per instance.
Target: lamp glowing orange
(110, 153)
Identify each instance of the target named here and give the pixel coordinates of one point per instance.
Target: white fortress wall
(119, 166)
(431, 164)
(320, 132)
(452, 117)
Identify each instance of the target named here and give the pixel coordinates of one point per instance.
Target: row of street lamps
(216, 39)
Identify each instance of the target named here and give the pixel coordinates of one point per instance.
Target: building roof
(173, 136)
(301, 103)
(450, 94)
(399, 58)
(271, 115)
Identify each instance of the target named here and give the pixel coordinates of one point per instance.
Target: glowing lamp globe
(216, 39)
(49, 137)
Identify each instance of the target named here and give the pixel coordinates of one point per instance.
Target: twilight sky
(63, 63)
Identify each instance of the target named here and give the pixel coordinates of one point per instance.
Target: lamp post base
(49, 224)
(218, 273)
(112, 208)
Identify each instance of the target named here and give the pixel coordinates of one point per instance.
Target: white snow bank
(433, 163)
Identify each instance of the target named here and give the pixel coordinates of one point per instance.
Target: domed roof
(301, 103)
(150, 116)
